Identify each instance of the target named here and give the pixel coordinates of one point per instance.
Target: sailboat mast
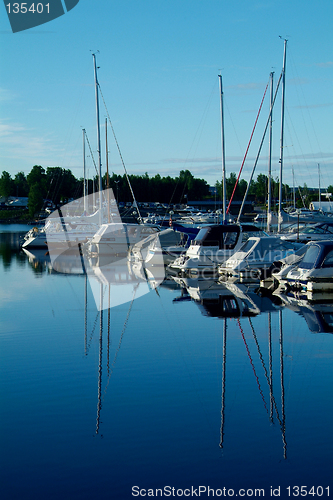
(269, 190)
(319, 187)
(282, 131)
(107, 166)
(224, 192)
(294, 192)
(84, 172)
(98, 142)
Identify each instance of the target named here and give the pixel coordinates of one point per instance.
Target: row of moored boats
(301, 257)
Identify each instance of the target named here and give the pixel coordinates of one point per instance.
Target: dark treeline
(59, 185)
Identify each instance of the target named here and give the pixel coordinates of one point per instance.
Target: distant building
(213, 205)
(17, 202)
(325, 206)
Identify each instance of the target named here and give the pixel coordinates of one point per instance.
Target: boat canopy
(319, 254)
(325, 206)
(223, 236)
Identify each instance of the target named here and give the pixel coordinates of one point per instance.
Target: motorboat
(164, 247)
(313, 232)
(35, 238)
(256, 255)
(212, 246)
(279, 269)
(60, 227)
(304, 215)
(117, 238)
(313, 272)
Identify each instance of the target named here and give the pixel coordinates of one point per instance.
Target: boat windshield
(255, 233)
(222, 236)
(247, 246)
(328, 228)
(328, 261)
(314, 230)
(310, 257)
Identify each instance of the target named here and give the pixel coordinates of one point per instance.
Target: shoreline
(29, 222)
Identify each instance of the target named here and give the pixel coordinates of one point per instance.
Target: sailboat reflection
(318, 314)
(222, 300)
(241, 302)
(111, 284)
(214, 299)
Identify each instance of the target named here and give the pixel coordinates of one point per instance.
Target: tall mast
(107, 166)
(294, 192)
(269, 194)
(224, 192)
(84, 172)
(98, 143)
(319, 186)
(282, 131)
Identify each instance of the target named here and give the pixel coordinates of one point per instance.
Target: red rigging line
(247, 149)
(252, 365)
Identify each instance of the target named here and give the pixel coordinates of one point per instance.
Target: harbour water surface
(169, 390)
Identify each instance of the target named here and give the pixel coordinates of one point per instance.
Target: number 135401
(23, 8)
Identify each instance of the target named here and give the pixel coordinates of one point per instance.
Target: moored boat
(256, 255)
(313, 272)
(212, 246)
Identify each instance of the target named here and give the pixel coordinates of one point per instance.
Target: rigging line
(248, 146)
(233, 125)
(91, 335)
(110, 370)
(121, 157)
(283, 426)
(306, 106)
(91, 153)
(59, 182)
(265, 370)
(200, 126)
(251, 362)
(262, 141)
(94, 326)
(309, 171)
(300, 193)
(48, 192)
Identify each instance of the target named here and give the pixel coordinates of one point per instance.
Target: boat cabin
(226, 237)
(318, 255)
(223, 236)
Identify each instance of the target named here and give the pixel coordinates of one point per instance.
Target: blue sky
(159, 64)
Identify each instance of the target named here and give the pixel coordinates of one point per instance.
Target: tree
(330, 192)
(21, 184)
(230, 184)
(261, 188)
(6, 185)
(35, 200)
(37, 176)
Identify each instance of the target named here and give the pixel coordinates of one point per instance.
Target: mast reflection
(241, 302)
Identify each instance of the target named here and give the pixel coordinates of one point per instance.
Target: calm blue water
(162, 391)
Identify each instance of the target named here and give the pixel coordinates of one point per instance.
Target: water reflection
(236, 301)
(10, 244)
(317, 313)
(39, 261)
(221, 300)
(240, 307)
(272, 408)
